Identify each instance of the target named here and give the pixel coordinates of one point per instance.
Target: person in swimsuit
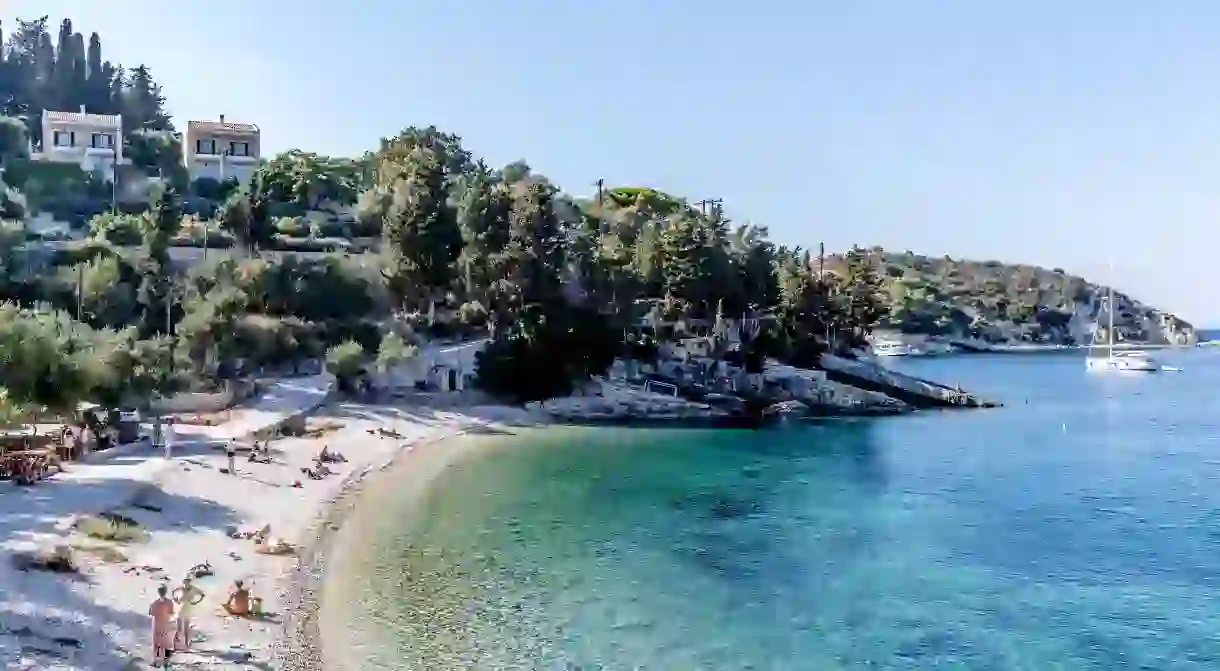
(188, 596)
(162, 613)
(238, 604)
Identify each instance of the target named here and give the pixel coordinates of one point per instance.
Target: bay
(1078, 527)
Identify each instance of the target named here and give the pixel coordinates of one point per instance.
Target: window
(102, 141)
(207, 146)
(239, 149)
(64, 138)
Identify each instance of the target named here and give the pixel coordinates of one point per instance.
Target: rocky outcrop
(612, 402)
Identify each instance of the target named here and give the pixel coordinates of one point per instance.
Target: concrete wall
(204, 402)
(194, 402)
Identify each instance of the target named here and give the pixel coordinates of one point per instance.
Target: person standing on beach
(231, 453)
(162, 612)
(169, 437)
(188, 596)
(158, 434)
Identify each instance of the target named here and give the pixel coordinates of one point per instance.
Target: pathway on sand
(45, 616)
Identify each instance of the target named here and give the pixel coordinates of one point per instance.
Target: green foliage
(158, 152)
(394, 351)
(235, 219)
(992, 300)
(118, 229)
(346, 360)
(12, 203)
(546, 351)
(308, 180)
(420, 234)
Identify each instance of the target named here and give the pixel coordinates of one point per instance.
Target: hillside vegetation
(428, 241)
(1001, 302)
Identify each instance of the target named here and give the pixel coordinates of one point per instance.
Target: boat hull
(1121, 365)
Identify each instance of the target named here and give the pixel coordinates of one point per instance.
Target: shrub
(112, 527)
(329, 229)
(117, 229)
(544, 355)
(207, 188)
(346, 362)
(292, 227)
(12, 203)
(200, 207)
(55, 560)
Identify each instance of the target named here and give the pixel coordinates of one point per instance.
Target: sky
(1082, 135)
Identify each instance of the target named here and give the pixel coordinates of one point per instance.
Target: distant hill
(1001, 302)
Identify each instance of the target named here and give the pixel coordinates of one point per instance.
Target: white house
(221, 149)
(92, 141)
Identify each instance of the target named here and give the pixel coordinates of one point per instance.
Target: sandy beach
(187, 508)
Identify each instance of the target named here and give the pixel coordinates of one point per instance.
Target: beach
(187, 509)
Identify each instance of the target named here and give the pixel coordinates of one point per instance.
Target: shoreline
(301, 645)
(187, 509)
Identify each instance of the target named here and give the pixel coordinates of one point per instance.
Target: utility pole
(715, 204)
(80, 290)
(821, 260)
(601, 204)
(169, 306)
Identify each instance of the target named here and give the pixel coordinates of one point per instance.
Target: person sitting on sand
(161, 611)
(261, 454)
(328, 457)
(188, 596)
(238, 604)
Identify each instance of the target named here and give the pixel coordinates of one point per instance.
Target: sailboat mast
(1110, 327)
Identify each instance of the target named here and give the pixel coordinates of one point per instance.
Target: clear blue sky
(1062, 134)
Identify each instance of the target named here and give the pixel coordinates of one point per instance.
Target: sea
(1076, 527)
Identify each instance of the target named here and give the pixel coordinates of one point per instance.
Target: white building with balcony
(221, 149)
(92, 141)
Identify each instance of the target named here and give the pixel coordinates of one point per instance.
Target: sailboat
(1125, 360)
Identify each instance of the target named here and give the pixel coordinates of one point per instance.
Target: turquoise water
(1076, 528)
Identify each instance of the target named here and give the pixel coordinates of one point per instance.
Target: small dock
(914, 391)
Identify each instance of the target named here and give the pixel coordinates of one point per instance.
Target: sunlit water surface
(1078, 527)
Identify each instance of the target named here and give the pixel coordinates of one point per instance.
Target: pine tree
(143, 103)
(536, 251)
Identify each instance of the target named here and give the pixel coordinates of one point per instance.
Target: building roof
(220, 127)
(106, 120)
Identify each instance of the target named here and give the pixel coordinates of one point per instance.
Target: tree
(536, 250)
(159, 153)
(144, 104)
(689, 265)
(395, 155)
(394, 351)
(235, 217)
(107, 295)
(545, 354)
(863, 292)
(345, 361)
(420, 235)
(259, 196)
(12, 204)
(483, 215)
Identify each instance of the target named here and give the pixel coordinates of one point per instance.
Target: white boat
(892, 348)
(1125, 360)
